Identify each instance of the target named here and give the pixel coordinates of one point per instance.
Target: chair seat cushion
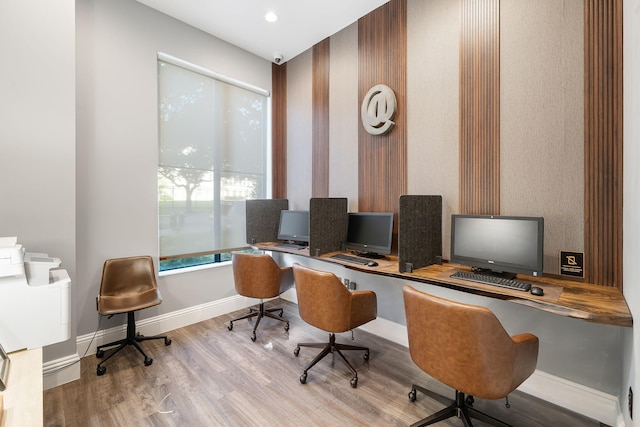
(128, 302)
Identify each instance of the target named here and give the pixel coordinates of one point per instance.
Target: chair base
(331, 347)
(260, 313)
(460, 407)
(131, 339)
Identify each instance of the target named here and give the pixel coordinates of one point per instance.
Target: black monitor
(369, 234)
(506, 245)
(294, 226)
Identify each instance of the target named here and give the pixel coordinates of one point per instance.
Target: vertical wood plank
(603, 141)
(279, 131)
(480, 107)
(382, 159)
(320, 119)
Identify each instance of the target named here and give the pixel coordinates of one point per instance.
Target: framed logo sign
(572, 263)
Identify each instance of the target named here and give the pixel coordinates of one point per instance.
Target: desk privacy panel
(419, 232)
(327, 225)
(263, 219)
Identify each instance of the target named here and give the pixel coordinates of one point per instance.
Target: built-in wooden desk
(586, 301)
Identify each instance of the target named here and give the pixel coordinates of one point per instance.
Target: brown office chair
(465, 347)
(128, 284)
(325, 303)
(259, 276)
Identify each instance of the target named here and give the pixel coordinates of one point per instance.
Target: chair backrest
(465, 346)
(323, 301)
(128, 284)
(122, 276)
(259, 276)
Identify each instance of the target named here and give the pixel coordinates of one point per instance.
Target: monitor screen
(294, 226)
(500, 244)
(370, 234)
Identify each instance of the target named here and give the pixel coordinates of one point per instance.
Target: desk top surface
(23, 397)
(585, 301)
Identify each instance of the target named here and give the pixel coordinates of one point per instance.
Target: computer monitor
(294, 226)
(369, 234)
(505, 245)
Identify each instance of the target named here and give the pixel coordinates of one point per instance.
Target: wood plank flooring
(210, 376)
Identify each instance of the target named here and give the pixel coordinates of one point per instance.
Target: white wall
(433, 40)
(344, 116)
(631, 213)
(37, 131)
(117, 144)
(299, 121)
(542, 119)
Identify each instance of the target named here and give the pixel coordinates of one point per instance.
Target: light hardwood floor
(210, 376)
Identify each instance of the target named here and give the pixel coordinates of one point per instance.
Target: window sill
(194, 268)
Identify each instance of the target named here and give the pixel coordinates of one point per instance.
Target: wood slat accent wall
(279, 131)
(320, 119)
(480, 107)
(603, 141)
(382, 159)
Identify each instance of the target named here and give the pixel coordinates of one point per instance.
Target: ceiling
(300, 25)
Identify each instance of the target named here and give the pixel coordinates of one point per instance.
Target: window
(213, 155)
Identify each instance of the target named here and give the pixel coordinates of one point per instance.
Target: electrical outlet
(630, 403)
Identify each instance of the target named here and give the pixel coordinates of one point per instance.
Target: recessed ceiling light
(271, 17)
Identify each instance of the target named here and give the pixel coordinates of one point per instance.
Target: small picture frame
(4, 368)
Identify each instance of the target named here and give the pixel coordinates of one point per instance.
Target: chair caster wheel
(354, 382)
(253, 337)
(167, 341)
(303, 378)
(286, 327)
(101, 370)
(230, 327)
(148, 361)
(99, 354)
(412, 395)
(469, 400)
(366, 356)
(281, 313)
(296, 352)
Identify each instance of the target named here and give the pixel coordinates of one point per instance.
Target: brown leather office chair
(325, 303)
(259, 276)
(465, 347)
(128, 285)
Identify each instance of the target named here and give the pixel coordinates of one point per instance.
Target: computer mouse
(372, 264)
(536, 291)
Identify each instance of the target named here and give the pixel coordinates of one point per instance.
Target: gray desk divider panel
(263, 219)
(419, 232)
(327, 225)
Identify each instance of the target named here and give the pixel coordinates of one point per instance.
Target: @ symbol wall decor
(378, 110)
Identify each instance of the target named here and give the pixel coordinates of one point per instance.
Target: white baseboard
(166, 322)
(60, 371)
(575, 397)
(67, 369)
